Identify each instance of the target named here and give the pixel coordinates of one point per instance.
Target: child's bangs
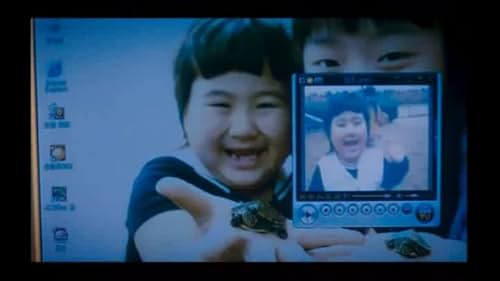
(344, 102)
(347, 102)
(244, 45)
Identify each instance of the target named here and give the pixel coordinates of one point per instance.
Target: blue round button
(366, 209)
(393, 209)
(406, 208)
(339, 209)
(424, 212)
(309, 214)
(352, 209)
(379, 209)
(325, 209)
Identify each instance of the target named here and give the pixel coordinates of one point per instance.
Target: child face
(238, 125)
(349, 135)
(393, 47)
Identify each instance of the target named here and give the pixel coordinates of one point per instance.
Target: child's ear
(184, 134)
(184, 137)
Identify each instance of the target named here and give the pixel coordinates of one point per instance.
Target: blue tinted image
(383, 132)
(170, 140)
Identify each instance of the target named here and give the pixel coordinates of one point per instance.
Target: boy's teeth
(246, 157)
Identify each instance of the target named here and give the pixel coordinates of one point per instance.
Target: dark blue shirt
(146, 202)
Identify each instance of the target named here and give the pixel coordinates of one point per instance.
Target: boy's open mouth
(244, 157)
(350, 142)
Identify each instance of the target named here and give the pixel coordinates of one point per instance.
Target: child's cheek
(211, 121)
(276, 125)
(337, 134)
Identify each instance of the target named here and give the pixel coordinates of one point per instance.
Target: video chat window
(366, 148)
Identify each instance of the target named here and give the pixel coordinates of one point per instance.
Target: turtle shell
(259, 216)
(408, 244)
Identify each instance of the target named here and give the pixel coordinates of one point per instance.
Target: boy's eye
(341, 125)
(267, 105)
(395, 56)
(356, 122)
(326, 63)
(220, 104)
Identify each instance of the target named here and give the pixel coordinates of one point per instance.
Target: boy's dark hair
(342, 102)
(215, 46)
(304, 29)
(390, 107)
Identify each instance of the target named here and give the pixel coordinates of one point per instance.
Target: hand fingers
(310, 238)
(387, 150)
(445, 249)
(198, 203)
(229, 249)
(260, 250)
(393, 151)
(371, 231)
(329, 253)
(291, 251)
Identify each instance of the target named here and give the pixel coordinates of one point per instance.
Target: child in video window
(352, 165)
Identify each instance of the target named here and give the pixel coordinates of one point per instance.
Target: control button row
(309, 214)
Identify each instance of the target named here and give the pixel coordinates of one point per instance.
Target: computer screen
(176, 139)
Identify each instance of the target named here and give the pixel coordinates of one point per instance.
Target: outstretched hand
(219, 241)
(375, 249)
